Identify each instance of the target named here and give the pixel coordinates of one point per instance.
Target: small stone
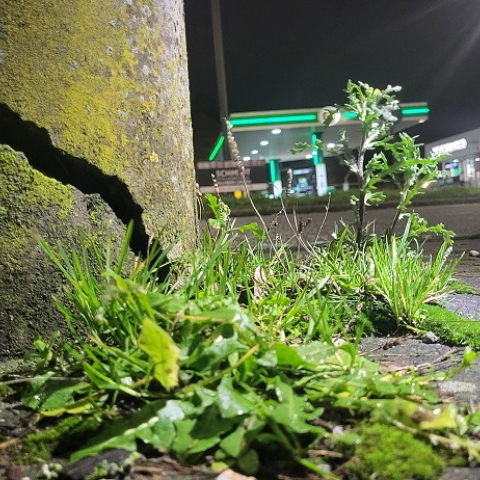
(430, 337)
(474, 253)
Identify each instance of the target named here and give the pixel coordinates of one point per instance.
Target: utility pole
(220, 71)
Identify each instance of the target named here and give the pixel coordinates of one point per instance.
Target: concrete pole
(220, 71)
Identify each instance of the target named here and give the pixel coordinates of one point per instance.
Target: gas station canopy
(272, 134)
(265, 140)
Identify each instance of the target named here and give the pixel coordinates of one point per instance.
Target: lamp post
(220, 71)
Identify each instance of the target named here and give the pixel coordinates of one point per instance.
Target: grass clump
(387, 453)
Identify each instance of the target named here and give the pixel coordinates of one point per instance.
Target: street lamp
(220, 71)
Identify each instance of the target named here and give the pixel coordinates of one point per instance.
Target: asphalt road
(463, 219)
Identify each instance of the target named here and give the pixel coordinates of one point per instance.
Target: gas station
(265, 140)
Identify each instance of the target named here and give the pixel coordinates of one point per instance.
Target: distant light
(315, 150)
(264, 143)
(247, 158)
(274, 119)
(477, 159)
(216, 148)
(276, 131)
(422, 120)
(254, 152)
(415, 111)
(273, 171)
(330, 145)
(455, 161)
(308, 155)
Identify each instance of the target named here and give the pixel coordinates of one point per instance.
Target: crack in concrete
(35, 142)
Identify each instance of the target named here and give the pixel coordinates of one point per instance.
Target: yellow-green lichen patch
(109, 83)
(23, 191)
(25, 186)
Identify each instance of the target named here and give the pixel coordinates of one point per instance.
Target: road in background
(463, 219)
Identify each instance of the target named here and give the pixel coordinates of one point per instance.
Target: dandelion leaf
(165, 355)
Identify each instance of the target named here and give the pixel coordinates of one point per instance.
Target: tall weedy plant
(407, 169)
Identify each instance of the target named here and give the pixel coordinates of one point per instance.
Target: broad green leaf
(211, 356)
(164, 428)
(288, 356)
(124, 433)
(444, 417)
(230, 401)
(234, 443)
(249, 462)
(294, 411)
(316, 352)
(156, 342)
(268, 359)
(210, 423)
(201, 432)
(468, 356)
(47, 394)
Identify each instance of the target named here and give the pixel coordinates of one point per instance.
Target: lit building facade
(462, 165)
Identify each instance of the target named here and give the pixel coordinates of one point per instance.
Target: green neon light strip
(273, 120)
(217, 147)
(273, 174)
(315, 150)
(409, 111)
(415, 111)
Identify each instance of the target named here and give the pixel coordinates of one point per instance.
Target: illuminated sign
(449, 147)
(229, 178)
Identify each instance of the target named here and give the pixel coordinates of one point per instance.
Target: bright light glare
(276, 131)
(254, 152)
(308, 155)
(330, 145)
(246, 158)
(264, 143)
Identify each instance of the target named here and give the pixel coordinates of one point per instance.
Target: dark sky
(300, 53)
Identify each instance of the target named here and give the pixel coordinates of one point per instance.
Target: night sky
(282, 54)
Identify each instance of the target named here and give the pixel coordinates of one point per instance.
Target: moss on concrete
(387, 453)
(108, 81)
(67, 435)
(35, 206)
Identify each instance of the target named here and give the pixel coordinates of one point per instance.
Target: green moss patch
(388, 453)
(452, 328)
